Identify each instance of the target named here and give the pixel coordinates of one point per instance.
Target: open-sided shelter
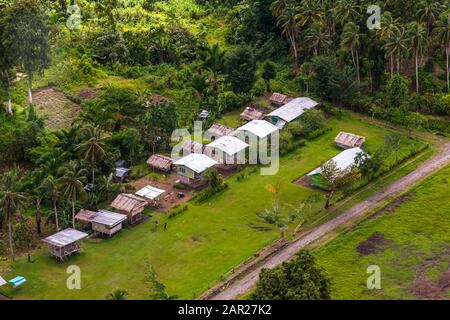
(65, 243)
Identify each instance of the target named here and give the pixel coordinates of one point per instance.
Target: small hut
(217, 130)
(290, 111)
(190, 146)
(204, 114)
(103, 222)
(278, 99)
(160, 163)
(251, 113)
(65, 243)
(347, 140)
(129, 205)
(121, 170)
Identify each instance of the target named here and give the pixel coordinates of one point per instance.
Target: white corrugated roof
(196, 162)
(293, 109)
(108, 218)
(229, 145)
(150, 192)
(2, 281)
(343, 160)
(65, 237)
(260, 128)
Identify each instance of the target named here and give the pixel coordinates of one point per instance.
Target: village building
(227, 151)
(129, 205)
(260, 129)
(345, 161)
(65, 243)
(160, 163)
(190, 146)
(121, 171)
(279, 99)
(103, 222)
(251, 113)
(347, 140)
(217, 130)
(192, 167)
(290, 111)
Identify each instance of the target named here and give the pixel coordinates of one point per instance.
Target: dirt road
(248, 280)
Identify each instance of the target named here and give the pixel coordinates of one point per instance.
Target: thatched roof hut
(160, 162)
(218, 130)
(251, 113)
(129, 205)
(349, 140)
(278, 99)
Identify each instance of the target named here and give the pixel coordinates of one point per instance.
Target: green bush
(176, 211)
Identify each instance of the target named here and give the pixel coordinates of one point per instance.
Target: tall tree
(27, 29)
(419, 43)
(397, 46)
(442, 34)
(386, 34)
(347, 11)
(350, 41)
(72, 185)
(6, 60)
(212, 58)
(51, 190)
(11, 201)
(269, 72)
(298, 279)
(287, 19)
(428, 12)
(92, 147)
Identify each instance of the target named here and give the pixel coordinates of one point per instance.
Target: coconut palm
(418, 42)
(278, 7)
(350, 41)
(397, 46)
(287, 20)
(317, 38)
(442, 35)
(49, 186)
(428, 12)
(309, 12)
(347, 11)
(93, 147)
(212, 58)
(386, 34)
(71, 185)
(11, 201)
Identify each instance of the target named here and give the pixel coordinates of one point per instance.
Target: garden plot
(56, 109)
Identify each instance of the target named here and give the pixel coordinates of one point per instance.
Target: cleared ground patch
(415, 259)
(56, 109)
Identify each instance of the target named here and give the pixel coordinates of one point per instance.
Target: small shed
(217, 130)
(65, 243)
(347, 140)
(160, 163)
(151, 194)
(204, 114)
(129, 205)
(251, 113)
(121, 170)
(278, 99)
(191, 169)
(103, 221)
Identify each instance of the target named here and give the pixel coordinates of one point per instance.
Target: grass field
(200, 246)
(410, 242)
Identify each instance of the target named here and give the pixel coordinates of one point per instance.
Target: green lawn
(417, 242)
(201, 245)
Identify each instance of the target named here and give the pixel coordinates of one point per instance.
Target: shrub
(176, 211)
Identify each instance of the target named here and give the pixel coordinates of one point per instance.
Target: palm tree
(386, 34)
(287, 20)
(11, 201)
(93, 147)
(212, 58)
(51, 190)
(309, 12)
(350, 41)
(317, 38)
(278, 7)
(71, 184)
(428, 13)
(397, 45)
(347, 11)
(418, 42)
(442, 34)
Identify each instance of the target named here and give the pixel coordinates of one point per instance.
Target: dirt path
(246, 281)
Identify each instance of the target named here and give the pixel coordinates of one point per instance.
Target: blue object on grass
(17, 281)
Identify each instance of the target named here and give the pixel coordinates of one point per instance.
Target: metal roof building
(290, 111)
(259, 128)
(344, 160)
